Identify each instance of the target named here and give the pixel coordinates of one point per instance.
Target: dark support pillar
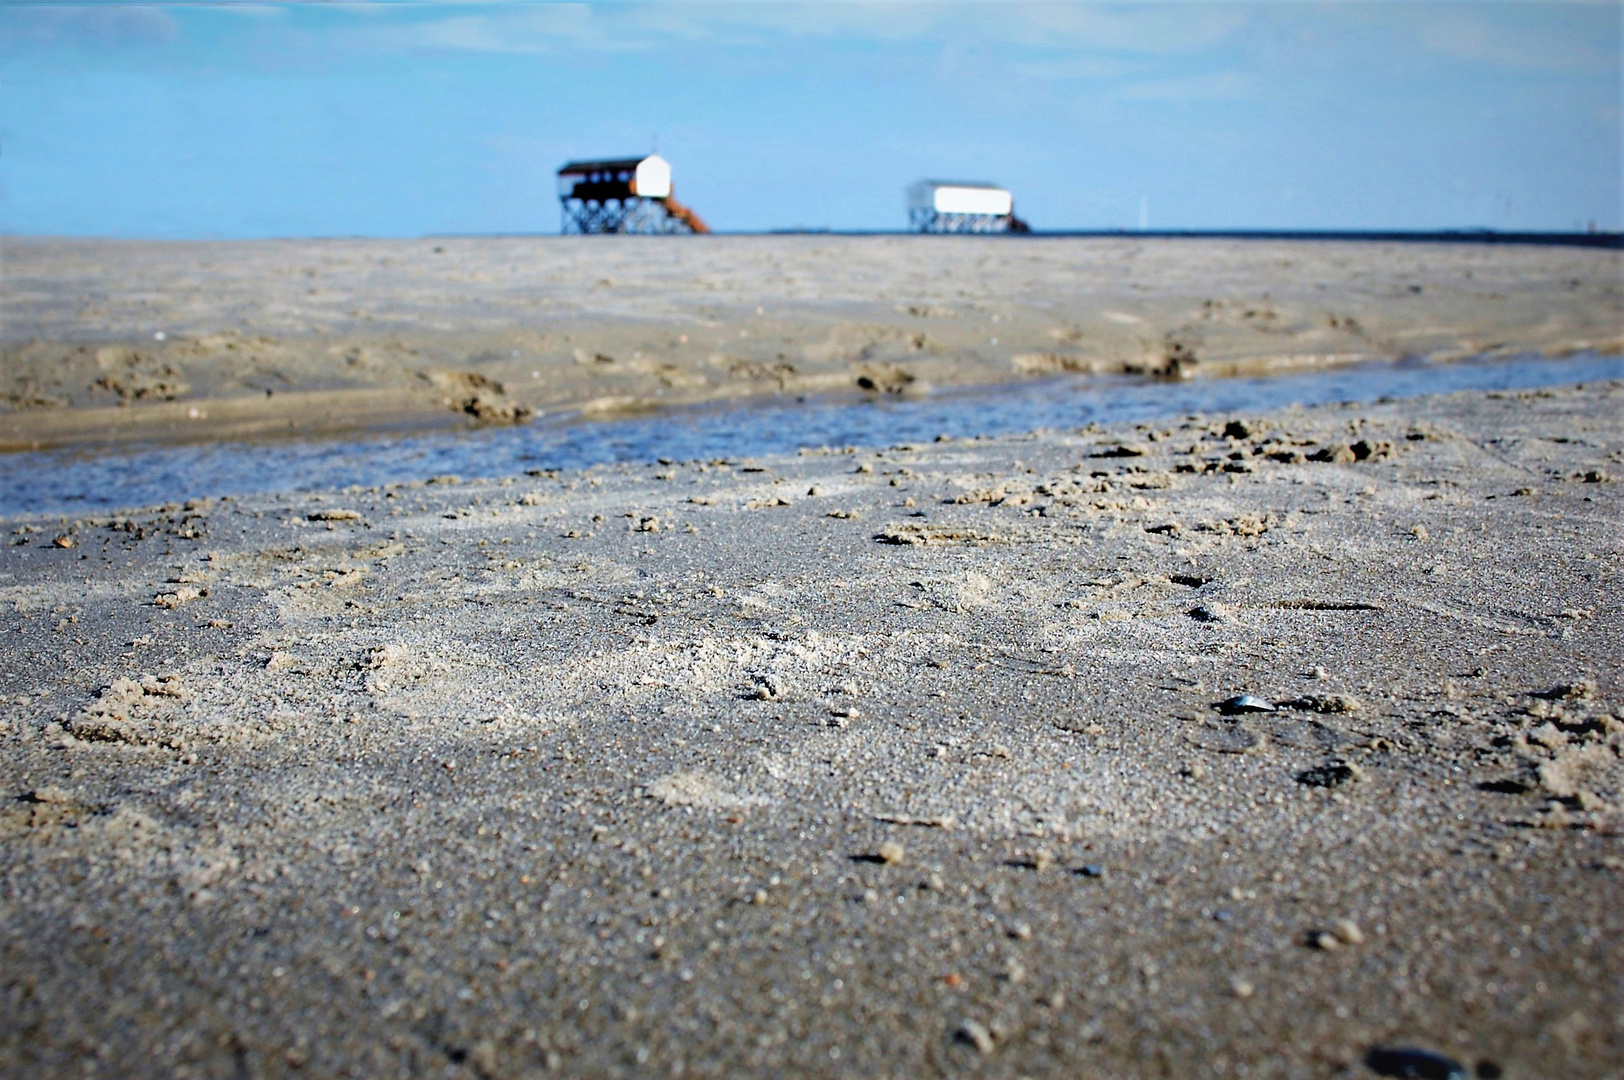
(631, 216)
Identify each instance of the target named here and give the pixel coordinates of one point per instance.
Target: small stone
(50, 793)
(769, 687)
(760, 898)
(1419, 532)
(1091, 870)
(649, 524)
(1210, 612)
(333, 515)
(1347, 931)
(1042, 859)
(1239, 429)
(891, 853)
(1020, 931)
(1241, 988)
(976, 1034)
(63, 541)
(1323, 940)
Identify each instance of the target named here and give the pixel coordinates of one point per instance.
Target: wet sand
(324, 337)
(884, 763)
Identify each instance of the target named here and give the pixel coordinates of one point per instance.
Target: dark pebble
(1407, 1063)
(1091, 870)
(1326, 776)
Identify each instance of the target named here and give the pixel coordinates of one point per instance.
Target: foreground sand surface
(880, 763)
(111, 341)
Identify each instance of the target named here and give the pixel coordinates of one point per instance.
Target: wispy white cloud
(1470, 35)
(252, 9)
(541, 29)
(1149, 29)
(91, 26)
(1146, 50)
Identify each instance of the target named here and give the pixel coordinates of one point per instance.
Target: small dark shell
(1243, 703)
(1408, 1063)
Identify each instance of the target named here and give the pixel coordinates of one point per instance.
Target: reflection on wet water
(75, 482)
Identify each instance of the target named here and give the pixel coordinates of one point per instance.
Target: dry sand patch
(196, 341)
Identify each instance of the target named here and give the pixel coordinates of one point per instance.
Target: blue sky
(411, 119)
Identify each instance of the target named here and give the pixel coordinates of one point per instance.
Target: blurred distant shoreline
(1558, 238)
(1584, 239)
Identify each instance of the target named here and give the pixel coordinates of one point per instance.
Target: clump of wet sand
(1169, 749)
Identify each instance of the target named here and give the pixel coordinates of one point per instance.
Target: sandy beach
(785, 541)
(1240, 745)
(105, 342)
